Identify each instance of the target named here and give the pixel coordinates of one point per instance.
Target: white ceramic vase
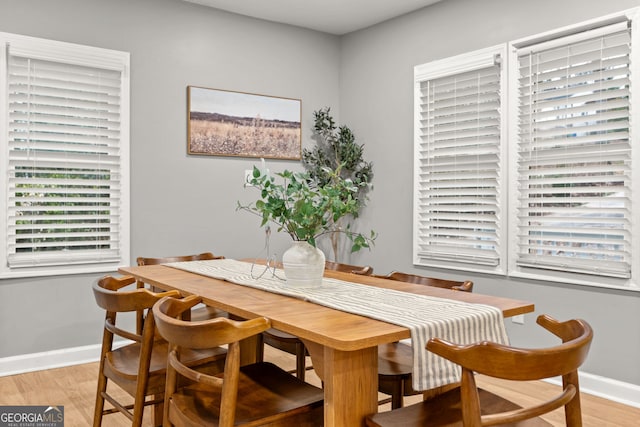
(303, 264)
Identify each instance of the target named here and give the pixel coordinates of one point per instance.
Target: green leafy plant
(304, 209)
(337, 154)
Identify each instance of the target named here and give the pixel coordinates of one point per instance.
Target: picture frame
(229, 123)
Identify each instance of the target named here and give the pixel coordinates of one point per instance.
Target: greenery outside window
(64, 157)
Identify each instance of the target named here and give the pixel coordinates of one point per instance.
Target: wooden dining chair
(200, 313)
(292, 344)
(138, 368)
(395, 360)
(258, 394)
(465, 286)
(470, 406)
(347, 268)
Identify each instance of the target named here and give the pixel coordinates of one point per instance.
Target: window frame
(80, 55)
(515, 270)
(509, 117)
(482, 58)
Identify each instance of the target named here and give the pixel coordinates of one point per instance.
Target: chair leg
(169, 388)
(158, 411)
(396, 394)
(107, 343)
(99, 407)
(260, 349)
(138, 412)
(301, 355)
(572, 410)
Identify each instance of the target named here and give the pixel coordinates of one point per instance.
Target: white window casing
(526, 159)
(65, 144)
(572, 155)
(458, 171)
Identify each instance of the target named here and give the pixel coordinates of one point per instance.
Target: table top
(323, 325)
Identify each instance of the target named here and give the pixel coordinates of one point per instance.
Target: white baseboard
(617, 391)
(50, 359)
(607, 388)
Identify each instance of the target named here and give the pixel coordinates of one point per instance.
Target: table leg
(350, 386)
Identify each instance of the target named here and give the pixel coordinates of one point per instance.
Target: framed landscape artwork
(226, 123)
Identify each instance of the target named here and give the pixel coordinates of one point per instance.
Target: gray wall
(376, 100)
(179, 203)
(184, 204)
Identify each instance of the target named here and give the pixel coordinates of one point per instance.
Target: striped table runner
(424, 316)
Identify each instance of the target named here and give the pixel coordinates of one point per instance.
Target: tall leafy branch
(337, 154)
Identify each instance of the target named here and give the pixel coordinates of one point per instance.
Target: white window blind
(574, 153)
(64, 174)
(458, 136)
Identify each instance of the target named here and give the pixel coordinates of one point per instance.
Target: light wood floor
(74, 388)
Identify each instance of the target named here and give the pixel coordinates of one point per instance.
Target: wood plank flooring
(74, 388)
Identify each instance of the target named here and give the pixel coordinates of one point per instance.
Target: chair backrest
(178, 258)
(465, 286)
(109, 296)
(346, 268)
(164, 260)
(518, 364)
(200, 335)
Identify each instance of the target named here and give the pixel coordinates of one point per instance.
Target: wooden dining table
(343, 346)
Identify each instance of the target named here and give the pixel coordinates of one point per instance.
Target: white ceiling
(329, 16)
